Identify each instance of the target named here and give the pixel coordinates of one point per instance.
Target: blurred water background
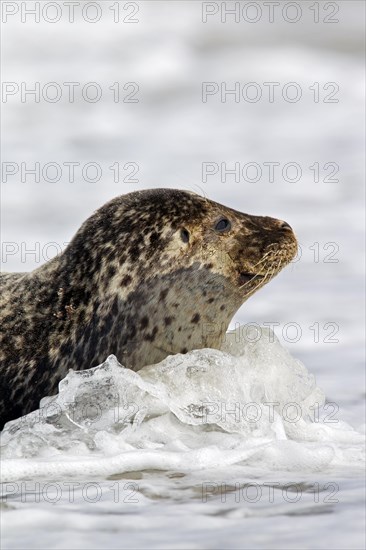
(159, 54)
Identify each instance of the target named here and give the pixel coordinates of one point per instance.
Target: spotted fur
(146, 276)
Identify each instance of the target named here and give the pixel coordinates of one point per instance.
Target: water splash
(249, 403)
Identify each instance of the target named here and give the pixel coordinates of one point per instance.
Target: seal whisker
(261, 283)
(255, 265)
(264, 257)
(268, 275)
(265, 276)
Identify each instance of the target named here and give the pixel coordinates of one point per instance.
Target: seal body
(150, 274)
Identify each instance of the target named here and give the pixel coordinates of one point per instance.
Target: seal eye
(184, 235)
(223, 225)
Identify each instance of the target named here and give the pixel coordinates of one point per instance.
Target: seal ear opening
(184, 235)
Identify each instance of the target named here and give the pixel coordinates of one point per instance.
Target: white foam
(250, 403)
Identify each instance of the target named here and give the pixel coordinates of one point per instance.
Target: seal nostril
(285, 225)
(184, 235)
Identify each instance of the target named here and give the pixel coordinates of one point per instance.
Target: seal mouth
(245, 277)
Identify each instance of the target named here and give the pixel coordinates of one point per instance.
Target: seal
(150, 274)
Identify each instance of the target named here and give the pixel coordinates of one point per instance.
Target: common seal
(149, 274)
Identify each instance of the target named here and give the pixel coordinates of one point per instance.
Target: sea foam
(250, 403)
